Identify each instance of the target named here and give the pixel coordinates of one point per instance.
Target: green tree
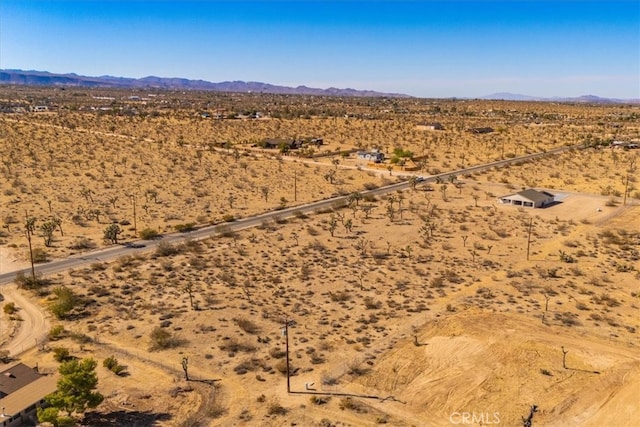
(111, 233)
(75, 393)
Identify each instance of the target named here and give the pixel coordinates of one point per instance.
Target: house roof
(15, 377)
(29, 394)
(531, 194)
(22, 386)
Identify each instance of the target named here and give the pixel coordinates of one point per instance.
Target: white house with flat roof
(529, 198)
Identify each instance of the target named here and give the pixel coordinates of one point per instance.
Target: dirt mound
(495, 366)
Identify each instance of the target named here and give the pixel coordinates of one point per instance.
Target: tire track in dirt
(33, 326)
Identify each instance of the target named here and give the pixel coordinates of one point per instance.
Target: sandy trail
(33, 327)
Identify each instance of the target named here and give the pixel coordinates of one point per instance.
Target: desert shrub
(98, 266)
(162, 339)
(184, 228)
(226, 231)
(275, 408)
(40, 255)
(356, 369)
(228, 218)
(247, 365)
(56, 332)
(166, 249)
(81, 338)
(611, 202)
(216, 410)
(29, 282)
(568, 319)
(10, 308)
(277, 353)
(111, 363)
(81, 243)
(370, 186)
(352, 405)
(371, 304)
(232, 345)
(61, 354)
(198, 263)
(340, 296)
(65, 301)
(148, 234)
(328, 380)
(247, 325)
(317, 400)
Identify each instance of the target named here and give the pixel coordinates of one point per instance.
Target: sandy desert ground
(416, 308)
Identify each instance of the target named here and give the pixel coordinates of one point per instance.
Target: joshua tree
(189, 288)
(265, 193)
(354, 198)
(333, 224)
(113, 201)
(367, 210)
(47, 229)
(185, 367)
(413, 181)
(361, 246)
(111, 233)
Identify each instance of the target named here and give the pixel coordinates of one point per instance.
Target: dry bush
(161, 339)
(247, 325)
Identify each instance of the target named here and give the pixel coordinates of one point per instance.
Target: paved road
(114, 252)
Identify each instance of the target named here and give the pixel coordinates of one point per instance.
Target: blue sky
(421, 48)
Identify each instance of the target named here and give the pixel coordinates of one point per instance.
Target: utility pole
(135, 226)
(295, 184)
(286, 346)
(529, 237)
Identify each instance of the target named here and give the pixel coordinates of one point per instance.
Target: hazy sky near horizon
(421, 48)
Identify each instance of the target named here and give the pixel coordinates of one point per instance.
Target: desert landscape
(435, 305)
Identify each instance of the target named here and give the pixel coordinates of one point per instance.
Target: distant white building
(40, 109)
(529, 198)
(374, 156)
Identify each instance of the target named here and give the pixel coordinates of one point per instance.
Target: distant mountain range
(587, 99)
(43, 78)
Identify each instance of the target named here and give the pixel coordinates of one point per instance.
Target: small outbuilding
(529, 198)
(374, 156)
(429, 126)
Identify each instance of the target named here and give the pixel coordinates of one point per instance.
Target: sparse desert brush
(161, 339)
(233, 345)
(247, 325)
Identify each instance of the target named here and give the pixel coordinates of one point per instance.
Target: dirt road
(34, 325)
